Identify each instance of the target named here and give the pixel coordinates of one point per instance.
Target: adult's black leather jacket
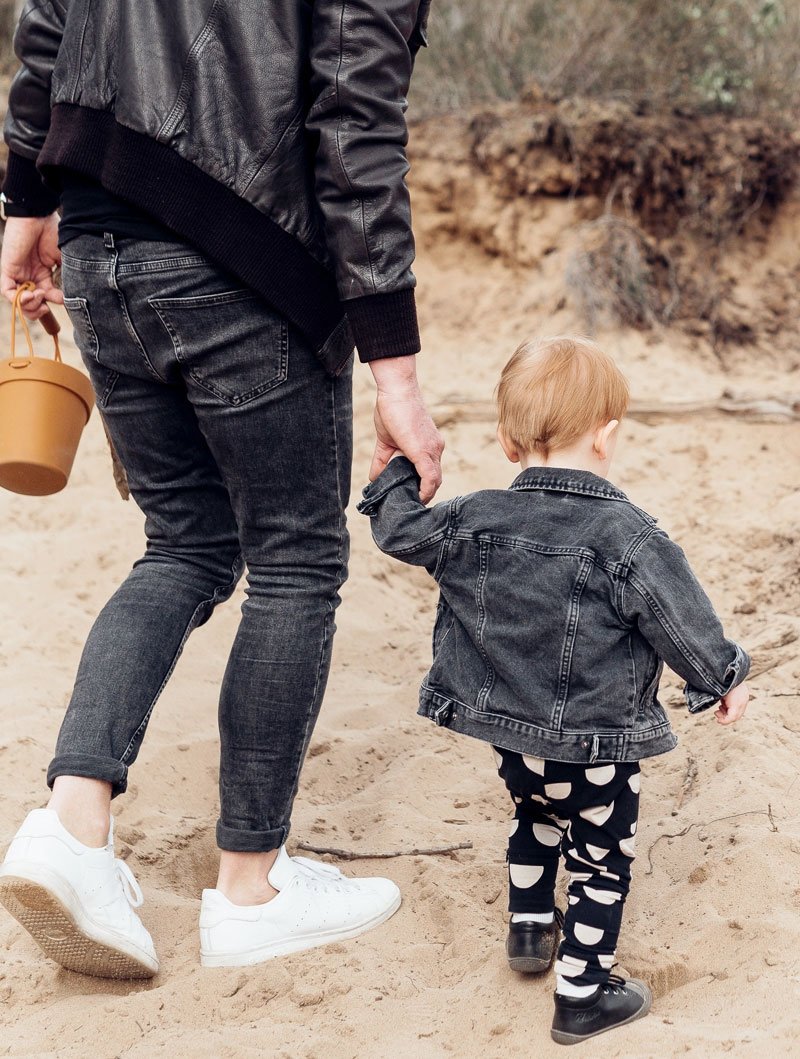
(270, 133)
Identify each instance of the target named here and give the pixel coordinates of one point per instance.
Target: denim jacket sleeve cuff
(698, 700)
(398, 471)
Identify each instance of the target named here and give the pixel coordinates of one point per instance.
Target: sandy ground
(713, 918)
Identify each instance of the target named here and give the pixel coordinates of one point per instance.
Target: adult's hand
(403, 424)
(30, 252)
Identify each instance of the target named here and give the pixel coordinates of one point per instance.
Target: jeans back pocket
(82, 326)
(233, 344)
(103, 378)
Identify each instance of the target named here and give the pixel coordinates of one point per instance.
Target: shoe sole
(572, 1038)
(45, 910)
(529, 964)
(310, 941)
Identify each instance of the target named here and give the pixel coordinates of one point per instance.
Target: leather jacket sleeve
(362, 57)
(36, 43)
(674, 614)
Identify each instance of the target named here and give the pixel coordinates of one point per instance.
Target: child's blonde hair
(555, 390)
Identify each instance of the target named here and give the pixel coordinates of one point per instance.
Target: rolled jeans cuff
(90, 767)
(235, 840)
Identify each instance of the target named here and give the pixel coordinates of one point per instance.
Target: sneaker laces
(615, 984)
(320, 884)
(130, 887)
(316, 867)
(326, 874)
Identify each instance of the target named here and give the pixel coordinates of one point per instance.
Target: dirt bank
(713, 920)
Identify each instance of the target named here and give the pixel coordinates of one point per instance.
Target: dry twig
(769, 409)
(350, 854)
(707, 823)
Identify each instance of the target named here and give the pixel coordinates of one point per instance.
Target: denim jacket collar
(567, 480)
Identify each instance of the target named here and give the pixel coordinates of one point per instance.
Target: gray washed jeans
(237, 446)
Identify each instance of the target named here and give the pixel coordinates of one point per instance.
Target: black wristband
(26, 193)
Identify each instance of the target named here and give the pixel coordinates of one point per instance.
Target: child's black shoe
(614, 1004)
(531, 947)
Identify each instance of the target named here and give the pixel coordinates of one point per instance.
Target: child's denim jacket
(559, 603)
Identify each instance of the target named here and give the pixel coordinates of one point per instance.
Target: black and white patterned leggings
(588, 813)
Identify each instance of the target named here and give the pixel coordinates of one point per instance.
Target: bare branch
(350, 854)
(770, 409)
(707, 823)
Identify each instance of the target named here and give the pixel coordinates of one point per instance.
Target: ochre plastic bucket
(44, 406)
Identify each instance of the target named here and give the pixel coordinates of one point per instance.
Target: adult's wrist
(395, 374)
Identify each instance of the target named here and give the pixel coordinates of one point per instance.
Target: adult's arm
(362, 58)
(30, 242)
(36, 43)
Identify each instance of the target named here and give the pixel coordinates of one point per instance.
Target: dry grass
(619, 274)
(741, 56)
(738, 56)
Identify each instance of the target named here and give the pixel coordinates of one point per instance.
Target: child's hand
(733, 705)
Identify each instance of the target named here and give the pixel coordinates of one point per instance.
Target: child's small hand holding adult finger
(733, 705)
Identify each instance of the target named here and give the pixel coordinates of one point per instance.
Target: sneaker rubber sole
(529, 964)
(299, 944)
(572, 1038)
(42, 904)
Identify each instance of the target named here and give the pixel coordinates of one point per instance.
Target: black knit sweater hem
(156, 179)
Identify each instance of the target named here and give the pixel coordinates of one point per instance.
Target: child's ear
(604, 440)
(510, 450)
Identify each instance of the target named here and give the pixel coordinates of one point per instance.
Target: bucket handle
(48, 322)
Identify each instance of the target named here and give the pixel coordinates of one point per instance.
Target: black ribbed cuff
(384, 325)
(27, 193)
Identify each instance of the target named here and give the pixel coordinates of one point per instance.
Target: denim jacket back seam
(488, 682)
(525, 544)
(573, 619)
(417, 546)
(636, 545)
(625, 564)
(615, 569)
(452, 510)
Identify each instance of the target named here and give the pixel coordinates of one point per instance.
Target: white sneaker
(315, 905)
(76, 902)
